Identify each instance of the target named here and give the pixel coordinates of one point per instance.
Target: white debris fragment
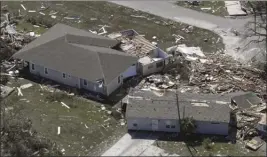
(58, 130)
(200, 104)
(154, 37)
(93, 19)
(190, 58)
(41, 13)
(19, 92)
(107, 120)
(103, 108)
(69, 18)
(209, 8)
(154, 43)
(28, 85)
(32, 34)
(93, 31)
(53, 13)
(36, 26)
(63, 104)
(109, 112)
(86, 126)
(31, 11)
(53, 16)
(203, 60)
(122, 123)
(23, 6)
(104, 31)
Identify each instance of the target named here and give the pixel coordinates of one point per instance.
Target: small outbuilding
(144, 113)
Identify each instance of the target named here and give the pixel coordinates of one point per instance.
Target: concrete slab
(234, 8)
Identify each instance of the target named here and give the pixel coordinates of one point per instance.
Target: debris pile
(157, 83)
(216, 73)
(11, 40)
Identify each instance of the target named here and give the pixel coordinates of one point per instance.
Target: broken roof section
(78, 53)
(246, 100)
(133, 43)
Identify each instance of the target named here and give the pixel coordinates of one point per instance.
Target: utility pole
(178, 106)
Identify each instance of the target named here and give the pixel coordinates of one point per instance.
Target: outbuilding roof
(202, 107)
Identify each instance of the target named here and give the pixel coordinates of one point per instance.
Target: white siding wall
(213, 129)
(55, 75)
(131, 71)
(161, 53)
(146, 124)
(94, 87)
(146, 70)
(114, 84)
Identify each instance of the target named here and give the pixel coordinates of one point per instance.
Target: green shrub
(188, 125)
(207, 143)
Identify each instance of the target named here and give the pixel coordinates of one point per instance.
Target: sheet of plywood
(234, 8)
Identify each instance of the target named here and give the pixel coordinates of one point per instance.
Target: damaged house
(147, 111)
(77, 58)
(151, 58)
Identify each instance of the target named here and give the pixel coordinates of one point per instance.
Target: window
(63, 75)
(173, 126)
(85, 82)
(167, 126)
(33, 68)
(150, 66)
(45, 71)
(135, 125)
(159, 64)
(119, 79)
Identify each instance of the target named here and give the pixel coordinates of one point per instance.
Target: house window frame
(64, 75)
(173, 126)
(168, 126)
(159, 64)
(46, 71)
(119, 79)
(135, 124)
(33, 66)
(85, 83)
(150, 66)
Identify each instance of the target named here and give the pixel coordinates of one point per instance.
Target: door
(155, 125)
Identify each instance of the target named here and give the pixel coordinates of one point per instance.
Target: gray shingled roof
(151, 109)
(78, 53)
(142, 104)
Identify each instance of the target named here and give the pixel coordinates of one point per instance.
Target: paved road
(168, 10)
(219, 25)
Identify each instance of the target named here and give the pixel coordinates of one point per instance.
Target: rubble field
(79, 126)
(212, 7)
(195, 147)
(37, 17)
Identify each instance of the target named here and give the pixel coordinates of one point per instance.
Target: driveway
(219, 25)
(131, 145)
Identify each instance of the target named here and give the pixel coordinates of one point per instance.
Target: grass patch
(217, 7)
(92, 14)
(85, 129)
